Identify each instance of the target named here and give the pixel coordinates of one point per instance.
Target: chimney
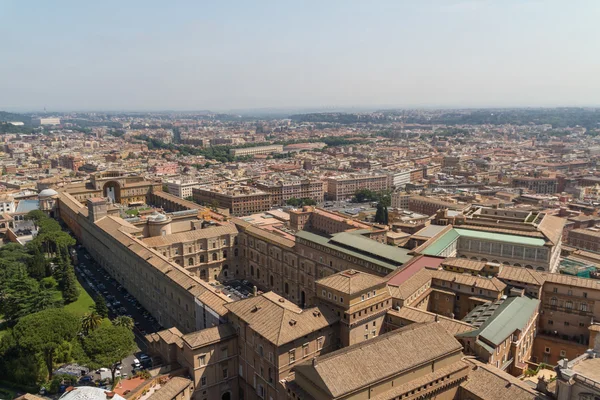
(314, 362)
(437, 318)
(254, 291)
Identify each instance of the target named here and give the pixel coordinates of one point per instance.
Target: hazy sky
(192, 55)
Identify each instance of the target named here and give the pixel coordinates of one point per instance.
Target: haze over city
(192, 55)
(300, 200)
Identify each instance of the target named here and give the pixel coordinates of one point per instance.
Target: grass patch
(82, 304)
(132, 213)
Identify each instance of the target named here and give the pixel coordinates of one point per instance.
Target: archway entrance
(112, 190)
(226, 396)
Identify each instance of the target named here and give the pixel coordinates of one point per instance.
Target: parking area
(97, 282)
(235, 289)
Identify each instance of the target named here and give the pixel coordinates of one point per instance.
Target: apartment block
(240, 200)
(343, 187)
(251, 151)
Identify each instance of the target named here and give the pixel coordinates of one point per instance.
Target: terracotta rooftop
(351, 281)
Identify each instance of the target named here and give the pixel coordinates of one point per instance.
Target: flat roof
(369, 250)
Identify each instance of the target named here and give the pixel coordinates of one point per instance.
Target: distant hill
(12, 117)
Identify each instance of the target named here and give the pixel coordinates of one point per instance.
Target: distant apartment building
(400, 200)
(586, 239)
(47, 121)
(181, 188)
(251, 151)
(169, 168)
(345, 186)
(430, 205)
(240, 200)
(541, 185)
(71, 162)
(282, 190)
(7, 204)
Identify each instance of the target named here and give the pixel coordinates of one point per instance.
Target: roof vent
(292, 322)
(281, 300)
(508, 385)
(317, 313)
(255, 309)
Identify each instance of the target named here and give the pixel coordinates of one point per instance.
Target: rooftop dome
(48, 193)
(157, 217)
(89, 393)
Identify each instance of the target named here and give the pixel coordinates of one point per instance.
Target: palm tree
(90, 321)
(123, 320)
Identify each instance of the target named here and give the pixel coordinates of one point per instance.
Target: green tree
(90, 322)
(69, 285)
(381, 215)
(44, 332)
(123, 320)
(108, 345)
(100, 306)
(37, 267)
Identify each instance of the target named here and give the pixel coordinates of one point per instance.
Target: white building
(48, 121)
(7, 204)
(180, 188)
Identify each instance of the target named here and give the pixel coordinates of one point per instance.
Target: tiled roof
(209, 335)
(520, 274)
(572, 281)
(452, 326)
(171, 389)
(469, 280)
(411, 285)
(357, 366)
(552, 228)
(472, 265)
(489, 383)
(278, 320)
(351, 281)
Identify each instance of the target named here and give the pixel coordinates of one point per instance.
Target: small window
(202, 359)
(203, 381)
(292, 354)
(320, 342)
(341, 299)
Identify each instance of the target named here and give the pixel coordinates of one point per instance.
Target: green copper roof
(441, 243)
(499, 319)
(500, 237)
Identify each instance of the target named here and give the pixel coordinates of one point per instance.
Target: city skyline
(140, 56)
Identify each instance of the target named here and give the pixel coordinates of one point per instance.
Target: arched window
(224, 253)
(553, 301)
(517, 265)
(569, 305)
(190, 261)
(271, 280)
(252, 270)
(235, 252)
(257, 273)
(528, 267)
(214, 256)
(287, 288)
(201, 258)
(583, 307)
(178, 262)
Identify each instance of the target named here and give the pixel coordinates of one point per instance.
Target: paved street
(96, 281)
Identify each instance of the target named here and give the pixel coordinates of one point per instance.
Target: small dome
(157, 217)
(48, 193)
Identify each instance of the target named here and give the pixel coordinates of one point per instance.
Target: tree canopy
(108, 345)
(44, 332)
